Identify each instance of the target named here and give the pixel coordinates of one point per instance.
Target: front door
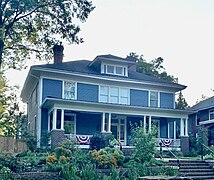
(118, 128)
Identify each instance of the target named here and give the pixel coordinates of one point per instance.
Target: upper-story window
(154, 99)
(69, 90)
(114, 95)
(114, 70)
(211, 114)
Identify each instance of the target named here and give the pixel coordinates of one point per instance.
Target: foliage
(97, 142)
(35, 25)
(108, 157)
(10, 115)
(152, 68)
(181, 102)
(144, 143)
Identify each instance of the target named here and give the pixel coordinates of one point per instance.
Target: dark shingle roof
(82, 66)
(205, 104)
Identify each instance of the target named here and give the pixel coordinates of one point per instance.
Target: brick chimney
(58, 53)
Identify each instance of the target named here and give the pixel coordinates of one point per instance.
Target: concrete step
(195, 167)
(198, 174)
(195, 170)
(201, 177)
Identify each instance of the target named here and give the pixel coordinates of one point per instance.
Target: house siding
(44, 127)
(139, 98)
(163, 128)
(166, 100)
(51, 88)
(87, 92)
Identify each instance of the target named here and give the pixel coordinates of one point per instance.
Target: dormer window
(114, 70)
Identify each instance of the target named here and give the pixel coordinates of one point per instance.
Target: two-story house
(203, 115)
(82, 98)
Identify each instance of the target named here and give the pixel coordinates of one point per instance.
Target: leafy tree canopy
(181, 102)
(28, 26)
(152, 68)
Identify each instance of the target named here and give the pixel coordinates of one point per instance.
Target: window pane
(124, 100)
(110, 69)
(114, 91)
(124, 92)
(69, 90)
(119, 70)
(103, 98)
(104, 90)
(114, 99)
(153, 99)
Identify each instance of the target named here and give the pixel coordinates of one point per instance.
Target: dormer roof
(112, 60)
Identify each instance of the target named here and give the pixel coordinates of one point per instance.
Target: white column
(62, 119)
(109, 122)
(150, 123)
(186, 127)
(144, 123)
(103, 122)
(174, 130)
(181, 127)
(168, 130)
(48, 122)
(54, 118)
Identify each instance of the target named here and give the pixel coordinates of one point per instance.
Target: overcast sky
(180, 31)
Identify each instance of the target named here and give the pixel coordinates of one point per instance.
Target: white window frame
(119, 94)
(63, 90)
(149, 100)
(211, 112)
(104, 69)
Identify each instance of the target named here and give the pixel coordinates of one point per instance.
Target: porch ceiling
(49, 103)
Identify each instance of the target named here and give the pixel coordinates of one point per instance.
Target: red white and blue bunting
(167, 142)
(83, 139)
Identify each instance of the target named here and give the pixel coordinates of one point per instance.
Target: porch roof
(50, 103)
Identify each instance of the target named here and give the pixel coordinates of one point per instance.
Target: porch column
(150, 123)
(62, 119)
(109, 122)
(54, 118)
(181, 127)
(144, 123)
(174, 130)
(103, 122)
(186, 127)
(49, 123)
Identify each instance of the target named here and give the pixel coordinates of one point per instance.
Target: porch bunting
(83, 139)
(167, 142)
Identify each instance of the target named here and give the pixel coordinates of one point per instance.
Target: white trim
(63, 88)
(39, 119)
(54, 119)
(109, 94)
(206, 122)
(117, 109)
(109, 78)
(124, 73)
(62, 119)
(174, 123)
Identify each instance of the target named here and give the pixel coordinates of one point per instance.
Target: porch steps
(194, 169)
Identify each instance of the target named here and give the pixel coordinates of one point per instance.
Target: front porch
(82, 125)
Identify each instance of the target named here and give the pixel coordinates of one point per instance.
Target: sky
(179, 31)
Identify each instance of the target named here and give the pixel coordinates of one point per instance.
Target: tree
(28, 26)
(181, 102)
(152, 68)
(11, 118)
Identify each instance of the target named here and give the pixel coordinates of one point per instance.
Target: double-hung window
(114, 70)
(124, 96)
(211, 114)
(114, 95)
(153, 99)
(104, 94)
(69, 90)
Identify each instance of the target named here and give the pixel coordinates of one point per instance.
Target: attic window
(114, 70)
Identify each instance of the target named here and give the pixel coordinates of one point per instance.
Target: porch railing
(82, 139)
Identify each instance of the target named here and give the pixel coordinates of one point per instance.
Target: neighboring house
(203, 116)
(78, 99)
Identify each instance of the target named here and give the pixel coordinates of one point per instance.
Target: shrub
(108, 157)
(97, 142)
(145, 147)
